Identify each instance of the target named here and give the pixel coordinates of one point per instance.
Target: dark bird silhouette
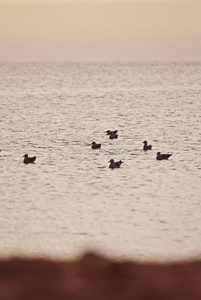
(146, 147)
(111, 131)
(95, 146)
(160, 156)
(28, 159)
(114, 164)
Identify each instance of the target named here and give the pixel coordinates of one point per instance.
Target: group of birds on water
(113, 164)
(113, 135)
(159, 156)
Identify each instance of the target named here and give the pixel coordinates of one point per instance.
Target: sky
(100, 30)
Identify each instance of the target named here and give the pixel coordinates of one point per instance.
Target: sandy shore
(94, 277)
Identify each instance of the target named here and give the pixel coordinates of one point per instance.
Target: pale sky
(83, 1)
(37, 30)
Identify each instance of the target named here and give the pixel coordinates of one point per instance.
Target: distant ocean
(69, 201)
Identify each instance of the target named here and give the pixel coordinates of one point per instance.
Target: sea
(69, 201)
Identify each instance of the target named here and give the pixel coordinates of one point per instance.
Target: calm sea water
(69, 200)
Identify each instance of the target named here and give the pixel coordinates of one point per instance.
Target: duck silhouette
(28, 159)
(160, 156)
(114, 164)
(146, 147)
(95, 146)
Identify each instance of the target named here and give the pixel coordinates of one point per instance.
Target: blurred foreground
(94, 277)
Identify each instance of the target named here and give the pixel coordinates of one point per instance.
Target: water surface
(69, 200)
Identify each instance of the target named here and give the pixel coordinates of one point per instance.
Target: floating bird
(28, 159)
(110, 131)
(162, 156)
(95, 146)
(146, 147)
(114, 164)
(113, 135)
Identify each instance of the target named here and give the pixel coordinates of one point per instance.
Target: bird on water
(160, 156)
(95, 146)
(28, 159)
(114, 164)
(146, 147)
